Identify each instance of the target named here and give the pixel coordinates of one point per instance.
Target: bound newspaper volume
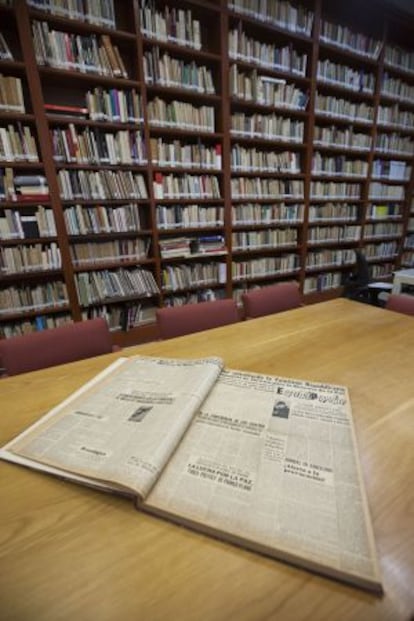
(268, 463)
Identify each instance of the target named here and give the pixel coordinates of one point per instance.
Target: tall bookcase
(161, 153)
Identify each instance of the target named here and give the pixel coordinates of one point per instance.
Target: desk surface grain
(69, 552)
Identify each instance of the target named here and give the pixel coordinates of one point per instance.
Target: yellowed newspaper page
(122, 427)
(271, 463)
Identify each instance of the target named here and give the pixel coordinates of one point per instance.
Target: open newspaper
(265, 462)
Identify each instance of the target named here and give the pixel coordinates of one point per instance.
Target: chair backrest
(179, 320)
(400, 303)
(47, 348)
(273, 299)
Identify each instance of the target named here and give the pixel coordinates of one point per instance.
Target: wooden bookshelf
(196, 149)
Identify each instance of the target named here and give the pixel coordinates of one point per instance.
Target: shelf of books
(391, 175)
(344, 105)
(268, 57)
(159, 153)
(100, 158)
(182, 58)
(33, 292)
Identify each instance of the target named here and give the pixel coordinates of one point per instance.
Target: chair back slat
(400, 303)
(273, 299)
(179, 320)
(47, 348)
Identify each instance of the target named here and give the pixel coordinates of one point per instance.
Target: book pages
(271, 464)
(119, 430)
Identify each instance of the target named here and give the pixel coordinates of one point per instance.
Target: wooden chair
(47, 348)
(179, 320)
(400, 303)
(273, 299)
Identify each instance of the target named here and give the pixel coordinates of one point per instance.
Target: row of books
(269, 238)
(96, 146)
(164, 70)
(265, 90)
(250, 187)
(397, 89)
(110, 105)
(186, 186)
(114, 105)
(124, 316)
(27, 298)
(85, 219)
(191, 246)
(75, 52)
(347, 77)
(17, 143)
(172, 24)
(387, 210)
(380, 191)
(192, 155)
(393, 115)
(339, 165)
(334, 190)
(23, 187)
(383, 229)
(391, 169)
(194, 297)
(181, 115)
(382, 250)
(189, 216)
(266, 55)
(193, 275)
(90, 253)
(30, 258)
(329, 257)
(280, 13)
(263, 214)
(394, 143)
(99, 12)
(17, 225)
(99, 286)
(322, 282)
(399, 57)
(333, 211)
(269, 127)
(255, 160)
(333, 234)
(11, 94)
(345, 38)
(341, 138)
(328, 105)
(265, 266)
(382, 270)
(41, 322)
(101, 185)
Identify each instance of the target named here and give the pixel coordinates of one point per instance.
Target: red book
(218, 155)
(42, 198)
(158, 189)
(70, 110)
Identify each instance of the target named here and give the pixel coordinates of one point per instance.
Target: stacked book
(23, 187)
(31, 187)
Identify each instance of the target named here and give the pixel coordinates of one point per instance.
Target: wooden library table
(69, 552)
